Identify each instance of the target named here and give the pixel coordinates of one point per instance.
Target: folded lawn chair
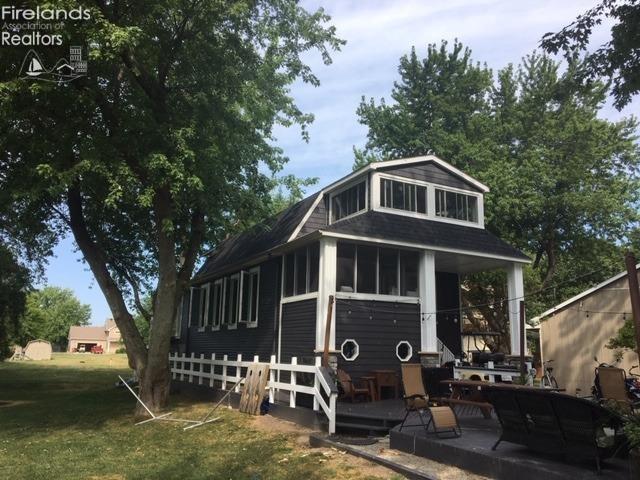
(613, 388)
(416, 400)
(351, 390)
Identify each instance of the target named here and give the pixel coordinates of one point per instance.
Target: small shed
(38, 350)
(575, 331)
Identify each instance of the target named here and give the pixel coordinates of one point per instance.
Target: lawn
(64, 418)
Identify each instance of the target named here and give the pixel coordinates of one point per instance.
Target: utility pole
(634, 293)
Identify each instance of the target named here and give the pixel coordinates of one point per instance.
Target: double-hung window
(217, 303)
(232, 300)
(250, 291)
(203, 307)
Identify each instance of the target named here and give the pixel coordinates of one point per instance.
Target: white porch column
(515, 292)
(326, 287)
(427, 273)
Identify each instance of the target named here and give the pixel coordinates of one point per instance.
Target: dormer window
(403, 196)
(348, 201)
(457, 206)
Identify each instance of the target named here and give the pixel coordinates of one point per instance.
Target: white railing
(192, 369)
(446, 355)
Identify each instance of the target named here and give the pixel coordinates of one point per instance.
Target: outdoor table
(386, 378)
(370, 381)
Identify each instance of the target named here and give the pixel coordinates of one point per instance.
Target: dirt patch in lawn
(345, 465)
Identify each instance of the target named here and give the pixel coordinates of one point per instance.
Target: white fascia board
(306, 217)
(574, 299)
(421, 246)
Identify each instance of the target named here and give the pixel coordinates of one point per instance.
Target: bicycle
(548, 380)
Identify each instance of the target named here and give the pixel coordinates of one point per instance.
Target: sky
(378, 33)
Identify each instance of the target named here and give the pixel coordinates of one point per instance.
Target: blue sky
(378, 33)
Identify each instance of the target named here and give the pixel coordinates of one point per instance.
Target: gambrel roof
(261, 240)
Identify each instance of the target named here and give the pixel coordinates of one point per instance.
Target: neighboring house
(388, 241)
(577, 330)
(84, 338)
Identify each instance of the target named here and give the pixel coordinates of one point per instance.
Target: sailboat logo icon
(62, 72)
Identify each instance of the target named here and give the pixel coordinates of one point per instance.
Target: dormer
(421, 187)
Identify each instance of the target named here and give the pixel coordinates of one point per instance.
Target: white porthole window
(350, 350)
(404, 351)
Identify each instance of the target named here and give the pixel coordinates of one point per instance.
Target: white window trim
(338, 191)
(299, 298)
(203, 301)
(234, 326)
(218, 312)
(249, 274)
(357, 349)
(190, 305)
(177, 327)
(431, 200)
(408, 357)
(307, 293)
(377, 296)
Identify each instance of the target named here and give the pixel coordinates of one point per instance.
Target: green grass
(68, 421)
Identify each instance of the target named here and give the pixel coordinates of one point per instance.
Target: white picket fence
(192, 369)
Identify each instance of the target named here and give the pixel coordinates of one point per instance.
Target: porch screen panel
(289, 274)
(346, 267)
(314, 265)
(367, 260)
(409, 273)
(301, 271)
(388, 271)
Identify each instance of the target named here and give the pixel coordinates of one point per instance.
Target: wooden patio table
(386, 378)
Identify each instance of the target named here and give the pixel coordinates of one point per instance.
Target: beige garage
(577, 330)
(82, 339)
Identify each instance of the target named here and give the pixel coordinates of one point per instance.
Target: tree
(564, 182)
(618, 59)
(439, 105)
(160, 151)
(15, 281)
(49, 314)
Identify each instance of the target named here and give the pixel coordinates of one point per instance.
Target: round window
(404, 351)
(350, 349)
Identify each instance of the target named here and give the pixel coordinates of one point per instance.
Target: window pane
(367, 259)
(385, 193)
(409, 273)
(231, 305)
(362, 190)
(398, 195)
(473, 208)
(246, 297)
(301, 271)
(314, 265)
(289, 276)
(336, 208)
(451, 204)
(346, 264)
(203, 305)
(388, 271)
(440, 203)
(410, 197)
(195, 306)
(217, 303)
(255, 277)
(210, 312)
(421, 200)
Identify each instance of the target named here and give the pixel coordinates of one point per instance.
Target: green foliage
(618, 59)
(564, 182)
(625, 339)
(164, 148)
(632, 430)
(15, 281)
(49, 314)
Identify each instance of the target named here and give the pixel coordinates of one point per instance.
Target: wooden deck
(371, 417)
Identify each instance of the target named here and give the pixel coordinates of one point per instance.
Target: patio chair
(612, 388)
(416, 400)
(352, 390)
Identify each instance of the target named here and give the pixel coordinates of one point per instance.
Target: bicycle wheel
(545, 381)
(554, 383)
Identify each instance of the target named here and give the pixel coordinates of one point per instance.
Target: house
(82, 339)
(578, 329)
(389, 242)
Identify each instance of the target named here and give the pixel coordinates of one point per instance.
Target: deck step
(362, 426)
